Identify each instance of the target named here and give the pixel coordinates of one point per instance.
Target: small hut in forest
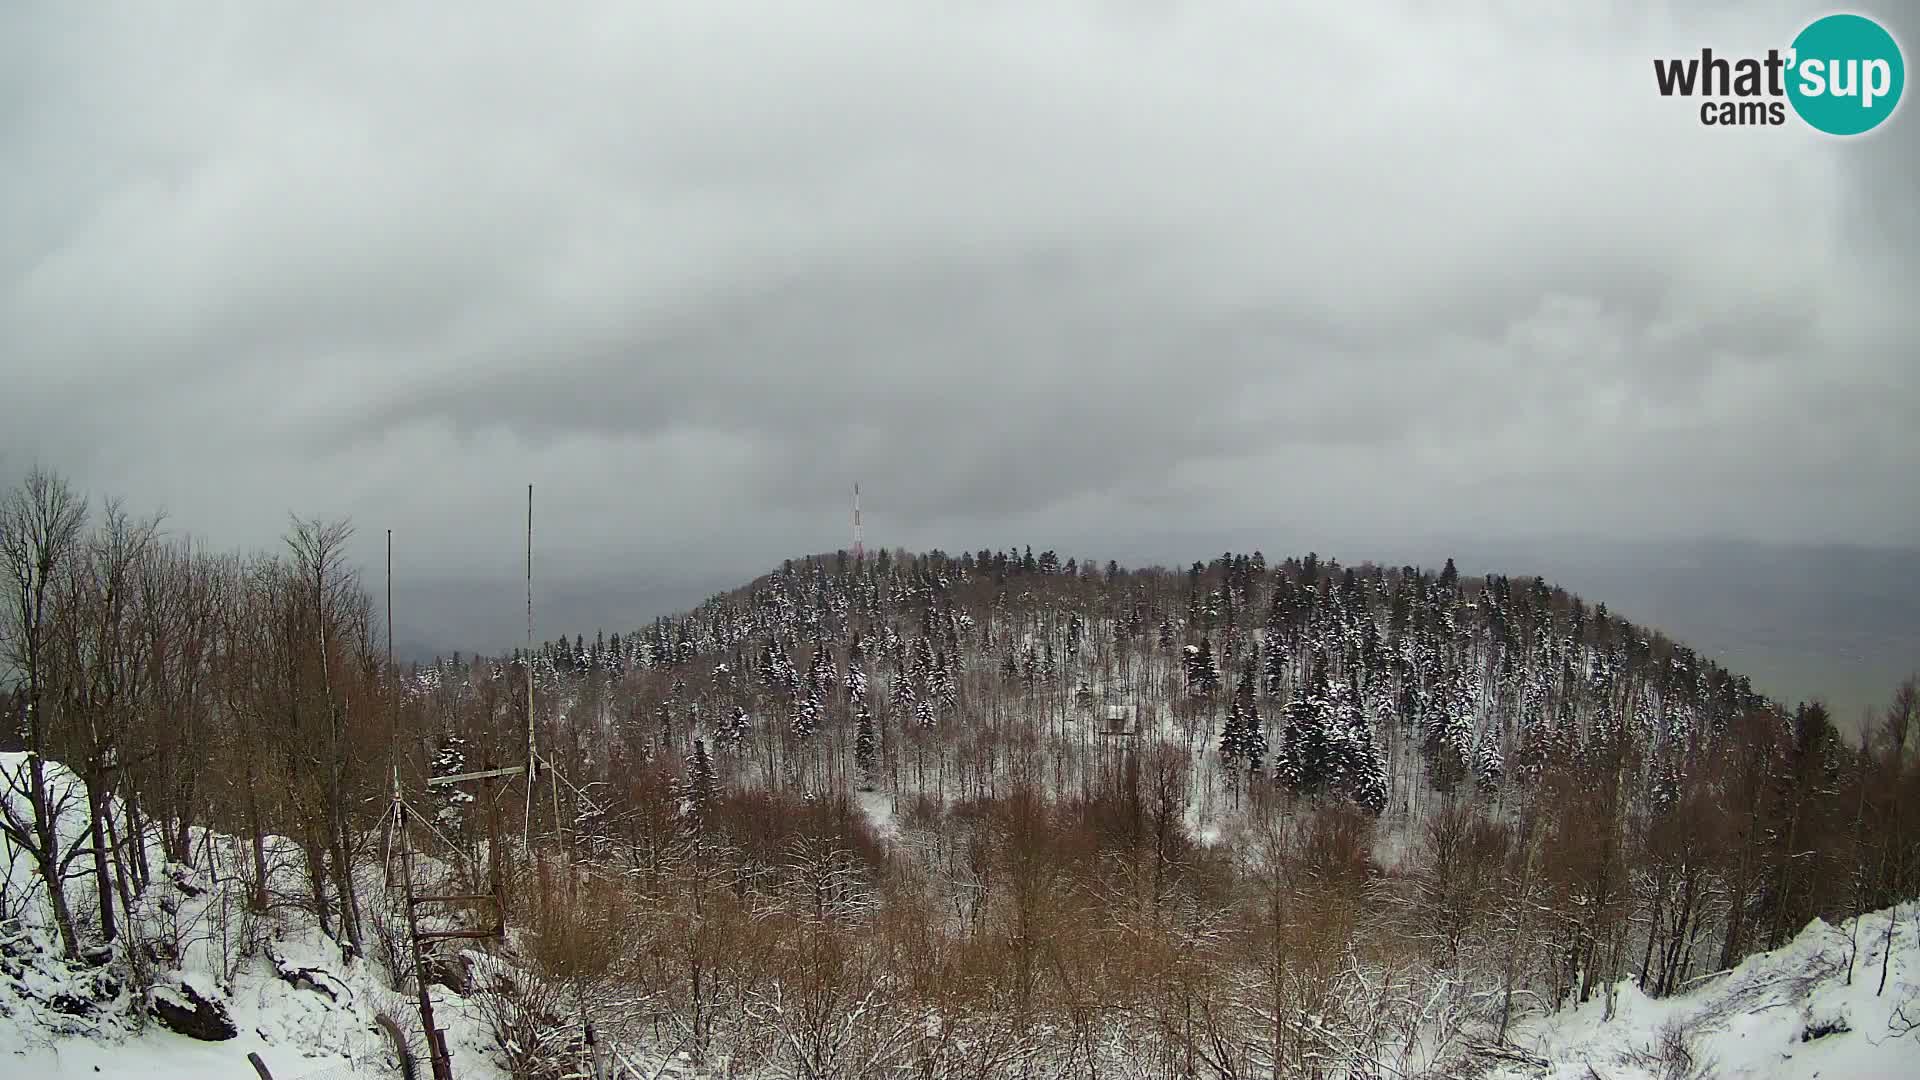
(1116, 720)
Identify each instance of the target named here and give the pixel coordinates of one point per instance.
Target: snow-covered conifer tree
(1203, 672)
(865, 746)
(1242, 742)
(1306, 761)
(450, 801)
(702, 787)
(1360, 769)
(734, 731)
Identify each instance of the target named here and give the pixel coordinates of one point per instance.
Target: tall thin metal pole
(389, 603)
(859, 534)
(526, 833)
(553, 778)
(529, 575)
(393, 696)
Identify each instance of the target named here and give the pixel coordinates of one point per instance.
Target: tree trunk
(1886, 954)
(57, 898)
(255, 826)
(47, 855)
(343, 884)
(137, 832)
(317, 879)
(121, 877)
(102, 873)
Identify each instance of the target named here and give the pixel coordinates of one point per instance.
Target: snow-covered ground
(311, 1014)
(1752, 1022)
(300, 1033)
(1790, 1014)
(285, 990)
(879, 808)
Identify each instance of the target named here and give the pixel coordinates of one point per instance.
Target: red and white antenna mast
(859, 535)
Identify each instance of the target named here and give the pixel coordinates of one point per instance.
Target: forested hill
(1312, 669)
(1368, 683)
(1676, 801)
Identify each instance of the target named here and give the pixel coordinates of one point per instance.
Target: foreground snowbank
(1790, 1014)
(268, 983)
(276, 987)
(319, 1027)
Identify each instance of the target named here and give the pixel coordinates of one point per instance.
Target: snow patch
(1789, 1014)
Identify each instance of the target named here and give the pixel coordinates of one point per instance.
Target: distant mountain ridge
(1363, 673)
(1829, 622)
(1803, 622)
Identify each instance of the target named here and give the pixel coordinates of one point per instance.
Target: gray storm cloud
(1075, 274)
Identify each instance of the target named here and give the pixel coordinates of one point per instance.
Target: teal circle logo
(1846, 74)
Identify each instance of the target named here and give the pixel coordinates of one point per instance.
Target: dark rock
(453, 972)
(72, 1004)
(318, 980)
(182, 879)
(1824, 1026)
(182, 1009)
(162, 956)
(15, 941)
(106, 985)
(312, 979)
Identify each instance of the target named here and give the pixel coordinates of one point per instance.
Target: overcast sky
(1140, 278)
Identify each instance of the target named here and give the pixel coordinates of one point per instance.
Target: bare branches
(40, 523)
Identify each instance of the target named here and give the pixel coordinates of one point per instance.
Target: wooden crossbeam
(484, 774)
(442, 935)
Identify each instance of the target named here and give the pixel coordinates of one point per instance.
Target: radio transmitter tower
(859, 535)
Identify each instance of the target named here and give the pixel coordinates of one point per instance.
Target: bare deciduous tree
(40, 528)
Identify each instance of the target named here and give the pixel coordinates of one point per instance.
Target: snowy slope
(1790, 1014)
(289, 994)
(301, 1034)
